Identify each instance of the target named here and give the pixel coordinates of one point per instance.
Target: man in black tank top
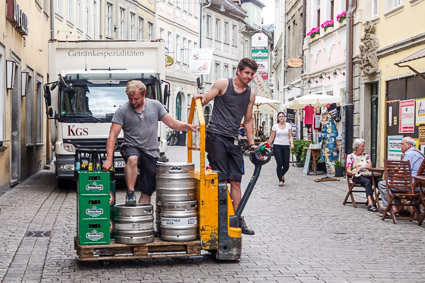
(233, 100)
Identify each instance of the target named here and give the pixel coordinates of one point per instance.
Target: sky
(268, 12)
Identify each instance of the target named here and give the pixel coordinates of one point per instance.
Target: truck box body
(91, 79)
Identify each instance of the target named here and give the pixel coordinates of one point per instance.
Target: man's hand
(192, 127)
(106, 165)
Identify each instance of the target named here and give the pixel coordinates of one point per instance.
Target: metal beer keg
(134, 224)
(175, 181)
(179, 221)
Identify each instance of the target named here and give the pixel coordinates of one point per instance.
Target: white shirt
(281, 136)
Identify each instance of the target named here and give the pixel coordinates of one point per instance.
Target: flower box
(313, 32)
(327, 24)
(341, 17)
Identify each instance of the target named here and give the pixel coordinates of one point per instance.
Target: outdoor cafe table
(421, 181)
(374, 171)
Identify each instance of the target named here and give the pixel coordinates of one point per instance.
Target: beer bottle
(90, 162)
(77, 161)
(99, 162)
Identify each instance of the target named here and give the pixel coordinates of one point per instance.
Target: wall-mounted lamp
(10, 73)
(309, 81)
(222, 8)
(24, 83)
(336, 73)
(322, 77)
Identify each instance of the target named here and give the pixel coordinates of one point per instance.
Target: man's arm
(248, 122)
(110, 146)
(218, 88)
(177, 125)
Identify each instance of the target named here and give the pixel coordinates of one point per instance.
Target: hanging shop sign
(168, 61)
(17, 17)
(260, 53)
(294, 62)
(394, 147)
(420, 111)
(421, 135)
(200, 61)
(259, 40)
(407, 116)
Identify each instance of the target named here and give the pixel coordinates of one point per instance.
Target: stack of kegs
(176, 202)
(133, 224)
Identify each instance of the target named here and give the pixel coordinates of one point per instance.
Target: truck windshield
(97, 101)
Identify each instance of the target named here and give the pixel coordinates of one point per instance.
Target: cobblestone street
(303, 233)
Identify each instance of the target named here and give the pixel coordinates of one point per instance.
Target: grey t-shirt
(141, 130)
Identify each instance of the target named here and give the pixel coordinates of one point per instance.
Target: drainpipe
(52, 20)
(349, 106)
(302, 56)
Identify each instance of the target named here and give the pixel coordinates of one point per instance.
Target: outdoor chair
(421, 191)
(352, 187)
(399, 183)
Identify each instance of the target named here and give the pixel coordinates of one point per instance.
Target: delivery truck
(87, 85)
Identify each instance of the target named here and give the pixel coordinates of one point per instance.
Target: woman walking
(281, 138)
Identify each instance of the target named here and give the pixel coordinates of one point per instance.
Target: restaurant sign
(17, 17)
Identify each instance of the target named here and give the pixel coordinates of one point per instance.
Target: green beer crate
(93, 206)
(94, 232)
(112, 191)
(93, 182)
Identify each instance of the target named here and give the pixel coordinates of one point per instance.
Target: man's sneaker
(129, 199)
(245, 229)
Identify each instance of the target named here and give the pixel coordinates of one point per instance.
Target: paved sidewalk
(303, 233)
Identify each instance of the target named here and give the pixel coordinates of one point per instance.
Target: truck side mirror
(166, 95)
(48, 101)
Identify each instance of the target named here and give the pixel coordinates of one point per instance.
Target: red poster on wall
(407, 116)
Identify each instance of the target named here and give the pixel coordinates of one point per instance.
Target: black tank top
(228, 111)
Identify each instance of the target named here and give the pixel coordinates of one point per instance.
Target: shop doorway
(178, 107)
(15, 136)
(374, 122)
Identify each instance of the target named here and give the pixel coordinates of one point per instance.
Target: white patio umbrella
(313, 100)
(264, 104)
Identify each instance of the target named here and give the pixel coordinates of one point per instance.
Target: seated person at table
(357, 164)
(411, 154)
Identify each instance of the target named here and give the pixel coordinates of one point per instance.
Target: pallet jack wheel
(106, 262)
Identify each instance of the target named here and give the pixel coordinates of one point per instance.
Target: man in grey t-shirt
(138, 118)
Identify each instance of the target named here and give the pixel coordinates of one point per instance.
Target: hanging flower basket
(327, 24)
(313, 32)
(341, 17)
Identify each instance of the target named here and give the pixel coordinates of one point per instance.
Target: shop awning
(313, 100)
(415, 56)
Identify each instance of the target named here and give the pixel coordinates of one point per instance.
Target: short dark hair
(247, 62)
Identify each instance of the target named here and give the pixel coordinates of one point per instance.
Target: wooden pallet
(157, 249)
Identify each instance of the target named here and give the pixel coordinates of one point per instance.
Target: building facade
(23, 56)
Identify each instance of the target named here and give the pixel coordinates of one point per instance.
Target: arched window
(178, 107)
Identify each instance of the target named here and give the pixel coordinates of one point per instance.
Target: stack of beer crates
(95, 203)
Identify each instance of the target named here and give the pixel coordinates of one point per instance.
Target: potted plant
(339, 169)
(299, 151)
(313, 32)
(341, 17)
(327, 24)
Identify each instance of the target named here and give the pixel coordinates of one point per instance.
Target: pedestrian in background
(282, 140)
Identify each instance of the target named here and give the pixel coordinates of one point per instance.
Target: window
(59, 7)
(80, 15)
(39, 110)
(46, 6)
(233, 71)
(183, 51)
(375, 9)
(88, 16)
(226, 32)
(217, 29)
(140, 28)
(226, 71)
(245, 48)
(169, 41)
(177, 48)
(161, 33)
(185, 4)
(132, 26)
(150, 31)
(122, 23)
(178, 4)
(318, 15)
(109, 20)
(29, 128)
(234, 35)
(331, 8)
(209, 27)
(71, 11)
(397, 3)
(217, 71)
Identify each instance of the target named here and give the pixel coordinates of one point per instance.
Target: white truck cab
(92, 77)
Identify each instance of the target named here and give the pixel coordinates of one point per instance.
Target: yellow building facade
(24, 35)
(400, 30)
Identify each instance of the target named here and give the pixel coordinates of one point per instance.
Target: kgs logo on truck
(74, 131)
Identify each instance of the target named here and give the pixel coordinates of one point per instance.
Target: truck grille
(92, 143)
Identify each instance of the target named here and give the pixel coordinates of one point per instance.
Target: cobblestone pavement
(303, 233)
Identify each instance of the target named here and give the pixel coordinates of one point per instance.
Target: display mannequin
(329, 151)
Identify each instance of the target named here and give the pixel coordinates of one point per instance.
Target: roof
(256, 2)
(418, 55)
(230, 7)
